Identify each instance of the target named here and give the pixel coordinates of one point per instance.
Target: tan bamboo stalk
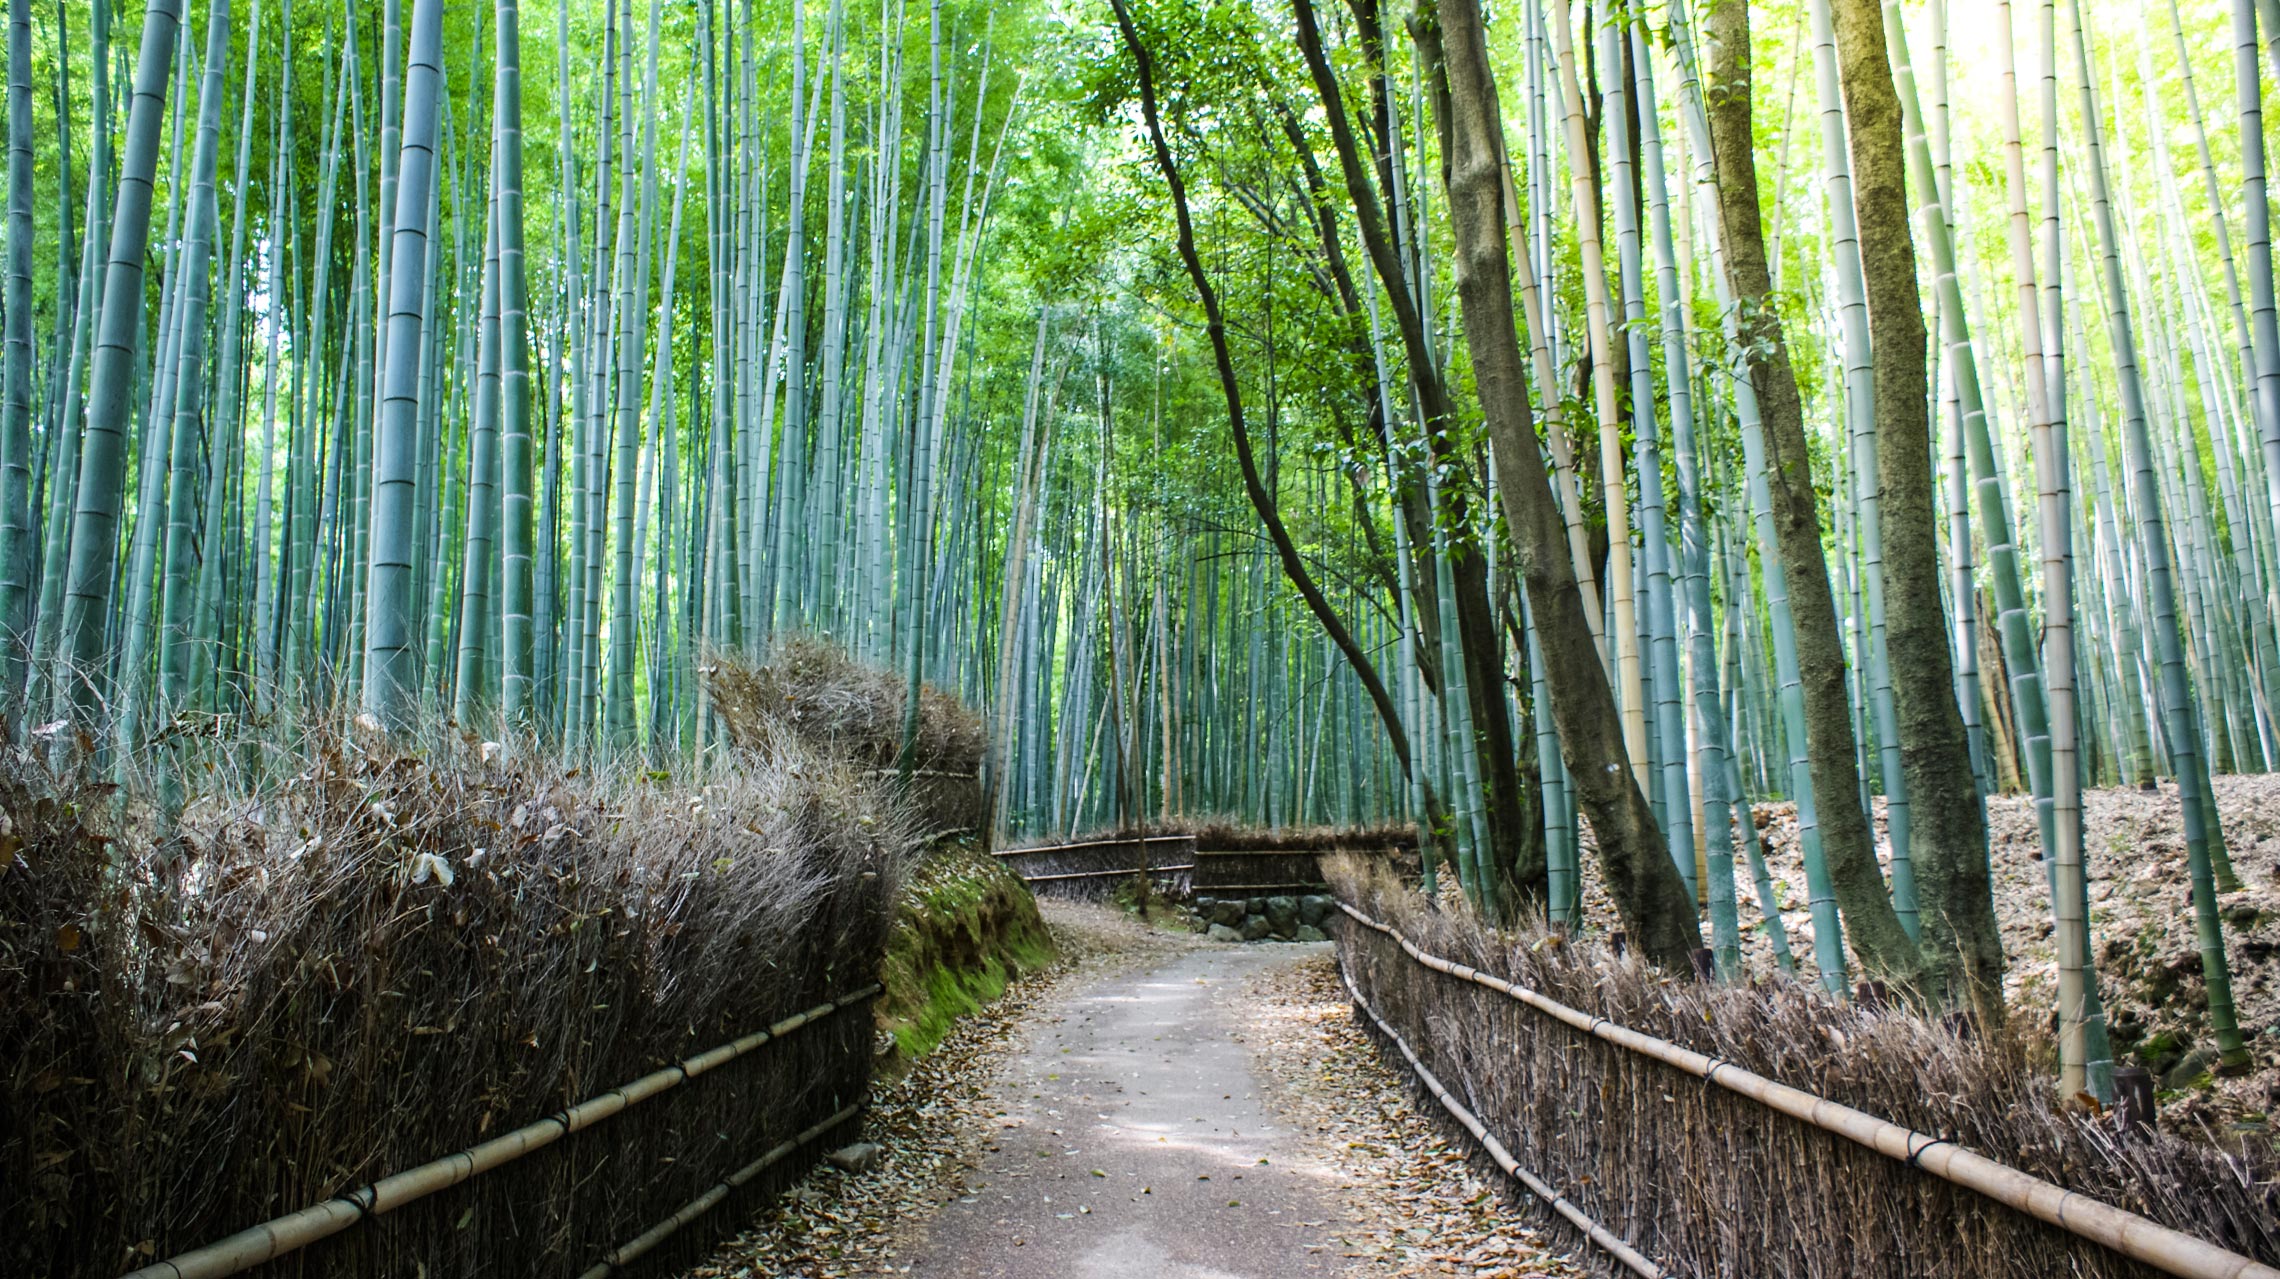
(290, 1233)
(2138, 1238)
(1632, 1258)
(2069, 903)
(1629, 683)
(1555, 418)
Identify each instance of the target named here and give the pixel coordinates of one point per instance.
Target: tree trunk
(1848, 843)
(1948, 830)
(1292, 565)
(1647, 889)
(1478, 645)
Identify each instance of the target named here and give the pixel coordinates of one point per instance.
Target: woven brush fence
(1229, 834)
(1236, 859)
(817, 694)
(1708, 1182)
(1094, 869)
(1249, 871)
(323, 981)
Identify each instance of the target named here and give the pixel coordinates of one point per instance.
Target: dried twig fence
(291, 1233)
(1093, 868)
(1607, 1240)
(1251, 872)
(331, 978)
(1700, 1163)
(1244, 864)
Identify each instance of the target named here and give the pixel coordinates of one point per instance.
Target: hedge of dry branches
(384, 958)
(813, 692)
(822, 695)
(1711, 1184)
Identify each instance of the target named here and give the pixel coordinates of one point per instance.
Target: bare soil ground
(932, 1123)
(2141, 918)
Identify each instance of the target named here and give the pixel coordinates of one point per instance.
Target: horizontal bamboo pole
(2122, 1231)
(920, 772)
(1637, 1261)
(625, 1254)
(1125, 873)
(275, 1238)
(1093, 843)
(1285, 889)
(1323, 851)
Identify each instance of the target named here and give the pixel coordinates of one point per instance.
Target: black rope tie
(1915, 1156)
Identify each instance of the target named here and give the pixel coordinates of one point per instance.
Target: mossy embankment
(965, 926)
(965, 929)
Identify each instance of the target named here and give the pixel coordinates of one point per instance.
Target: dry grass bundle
(819, 693)
(383, 958)
(1714, 1185)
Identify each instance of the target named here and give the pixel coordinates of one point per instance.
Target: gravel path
(1160, 1106)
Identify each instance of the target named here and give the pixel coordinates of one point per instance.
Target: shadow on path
(1134, 1144)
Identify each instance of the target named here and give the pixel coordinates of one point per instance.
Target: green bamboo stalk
(391, 674)
(2176, 697)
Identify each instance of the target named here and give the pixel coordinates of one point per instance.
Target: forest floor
(1155, 1105)
(2141, 917)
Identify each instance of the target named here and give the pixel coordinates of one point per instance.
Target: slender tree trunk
(1962, 946)
(1645, 884)
(1846, 839)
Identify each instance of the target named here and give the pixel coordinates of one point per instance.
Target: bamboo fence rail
(2120, 1231)
(275, 1238)
(630, 1251)
(1631, 1257)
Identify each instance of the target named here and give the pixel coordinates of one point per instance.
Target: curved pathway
(1134, 1143)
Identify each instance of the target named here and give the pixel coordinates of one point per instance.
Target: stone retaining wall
(1276, 918)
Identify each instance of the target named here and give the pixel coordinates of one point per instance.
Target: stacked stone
(1278, 918)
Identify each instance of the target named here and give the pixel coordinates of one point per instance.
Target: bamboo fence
(275, 1238)
(1667, 1182)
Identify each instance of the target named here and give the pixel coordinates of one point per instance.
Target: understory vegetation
(965, 929)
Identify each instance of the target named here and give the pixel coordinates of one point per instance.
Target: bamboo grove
(1557, 428)
(1742, 251)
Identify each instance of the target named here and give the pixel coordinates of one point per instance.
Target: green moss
(965, 930)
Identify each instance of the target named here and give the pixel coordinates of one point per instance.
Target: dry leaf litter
(2141, 920)
(931, 1123)
(1414, 1202)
